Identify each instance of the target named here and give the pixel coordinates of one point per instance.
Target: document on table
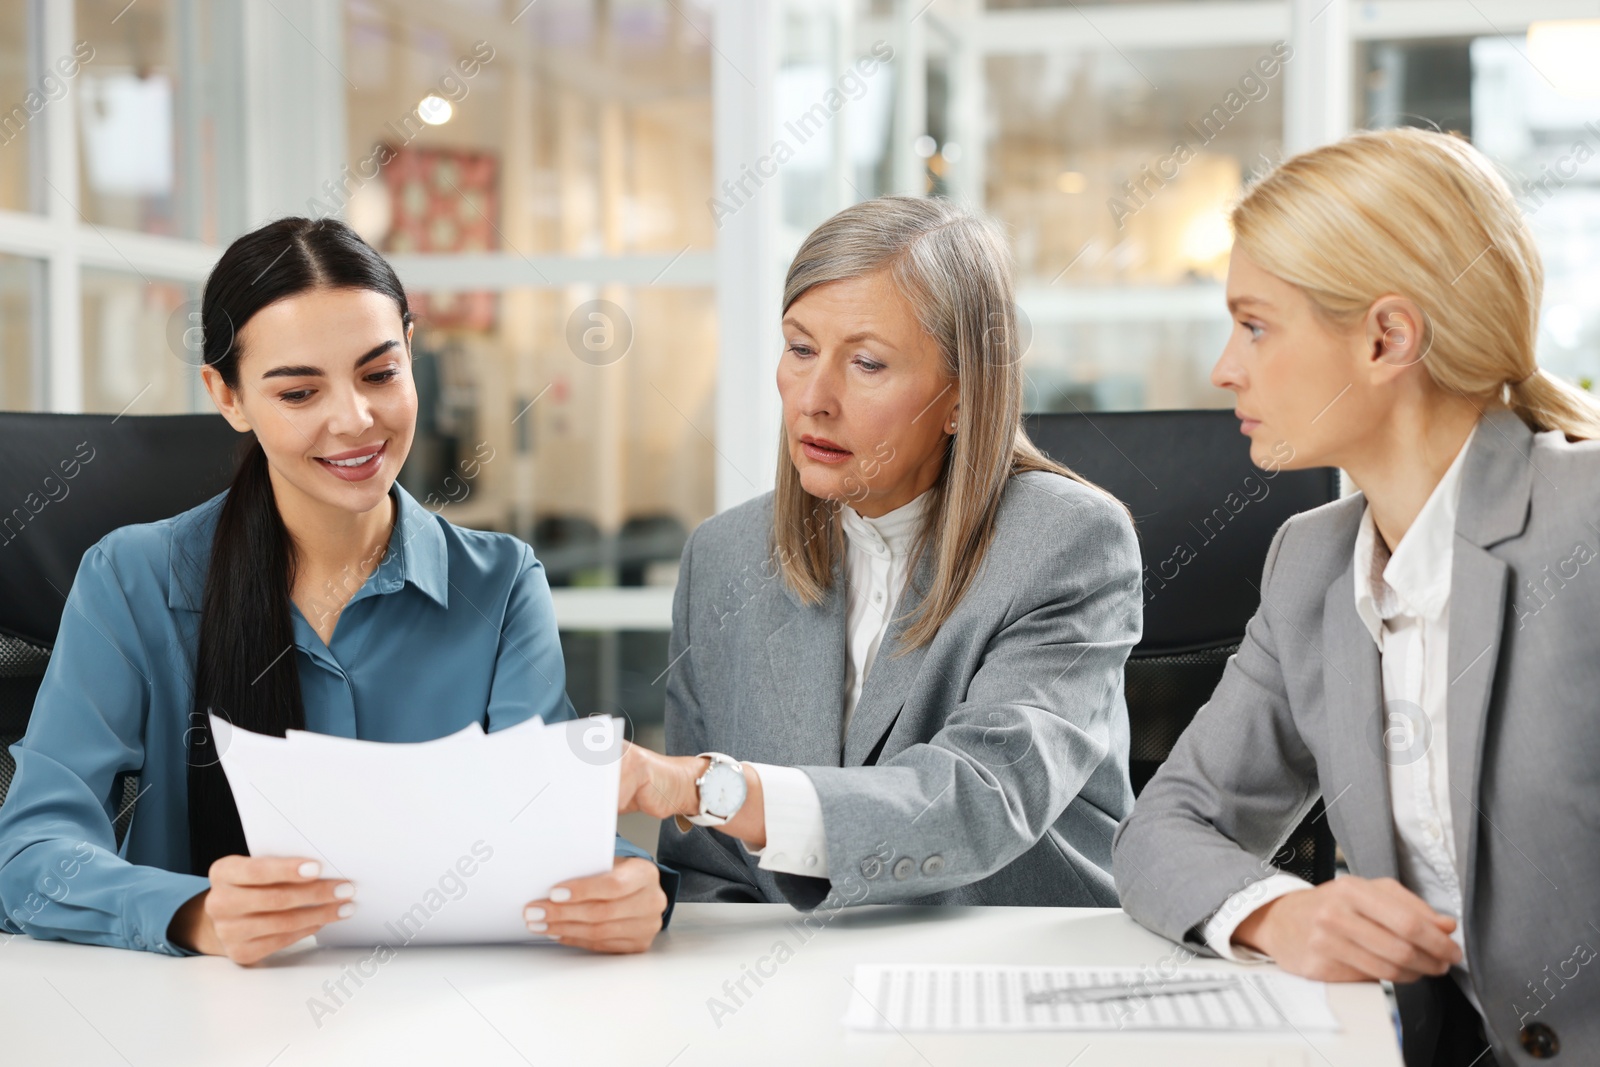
(980, 997)
(445, 840)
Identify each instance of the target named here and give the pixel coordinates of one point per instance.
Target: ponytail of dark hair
(246, 668)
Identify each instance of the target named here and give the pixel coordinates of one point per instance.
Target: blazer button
(871, 867)
(933, 865)
(903, 868)
(1539, 1041)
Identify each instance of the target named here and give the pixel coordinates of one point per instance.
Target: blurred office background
(593, 203)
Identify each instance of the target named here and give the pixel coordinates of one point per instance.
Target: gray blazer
(1297, 714)
(987, 767)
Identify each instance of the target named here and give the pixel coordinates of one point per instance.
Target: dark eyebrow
(316, 372)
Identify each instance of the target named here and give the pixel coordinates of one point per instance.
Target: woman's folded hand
(1353, 930)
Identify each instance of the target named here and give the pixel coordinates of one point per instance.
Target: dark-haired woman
(314, 594)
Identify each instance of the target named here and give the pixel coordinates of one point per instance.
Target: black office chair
(1205, 516)
(67, 481)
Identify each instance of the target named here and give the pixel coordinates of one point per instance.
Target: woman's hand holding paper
(259, 904)
(619, 911)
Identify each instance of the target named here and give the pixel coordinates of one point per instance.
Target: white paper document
(980, 997)
(444, 840)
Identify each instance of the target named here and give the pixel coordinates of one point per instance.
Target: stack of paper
(445, 840)
(968, 997)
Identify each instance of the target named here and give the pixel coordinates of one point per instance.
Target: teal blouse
(455, 626)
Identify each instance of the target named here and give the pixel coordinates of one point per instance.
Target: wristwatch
(722, 791)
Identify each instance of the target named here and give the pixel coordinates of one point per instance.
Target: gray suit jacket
(987, 767)
(1298, 714)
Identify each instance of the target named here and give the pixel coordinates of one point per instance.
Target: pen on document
(1094, 993)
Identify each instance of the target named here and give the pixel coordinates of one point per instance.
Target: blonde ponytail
(1545, 402)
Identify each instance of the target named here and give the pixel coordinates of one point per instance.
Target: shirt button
(933, 865)
(811, 861)
(903, 868)
(878, 597)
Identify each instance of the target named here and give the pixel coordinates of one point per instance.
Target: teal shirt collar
(417, 553)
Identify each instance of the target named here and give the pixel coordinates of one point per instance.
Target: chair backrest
(1205, 516)
(67, 481)
(1204, 512)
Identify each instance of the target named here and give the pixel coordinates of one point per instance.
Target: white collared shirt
(1403, 599)
(877, 565)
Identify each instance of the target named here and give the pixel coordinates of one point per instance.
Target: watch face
(723, 790)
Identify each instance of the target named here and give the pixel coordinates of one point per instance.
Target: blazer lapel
(890, 678)
(1496, 488)
(1353, 682)
(1477, 614)
(806, 656)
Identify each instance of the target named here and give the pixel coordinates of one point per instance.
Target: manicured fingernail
(346, 910)
(532, 915)
(310, 869)
(536, 928)
(344, 890)
(560, 896)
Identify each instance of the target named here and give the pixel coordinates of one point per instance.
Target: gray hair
(955, 269)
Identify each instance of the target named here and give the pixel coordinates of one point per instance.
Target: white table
(546, 1004)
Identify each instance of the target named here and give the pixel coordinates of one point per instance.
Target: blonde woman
(1425, 656)
(898, 677)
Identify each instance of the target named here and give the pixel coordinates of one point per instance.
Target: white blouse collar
(897, 530)
(1415, 578)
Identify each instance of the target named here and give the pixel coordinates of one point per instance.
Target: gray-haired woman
(914, 646)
